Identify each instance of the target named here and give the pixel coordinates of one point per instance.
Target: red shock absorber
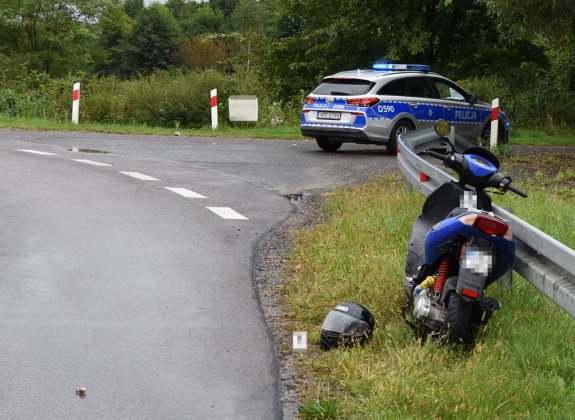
(442, 273)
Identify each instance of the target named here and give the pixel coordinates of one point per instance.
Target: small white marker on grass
(300, 340)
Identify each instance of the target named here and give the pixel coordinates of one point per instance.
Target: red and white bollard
(76, 103)
(214, 104)
(494, 123)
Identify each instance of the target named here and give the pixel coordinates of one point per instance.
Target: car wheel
(400, 127)
(486, 137)
(328, 145)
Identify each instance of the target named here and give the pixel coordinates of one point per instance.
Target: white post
(214, 103)
(75, 103)
(494, 123)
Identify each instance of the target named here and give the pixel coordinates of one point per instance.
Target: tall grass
(164, 99)
(523, 364)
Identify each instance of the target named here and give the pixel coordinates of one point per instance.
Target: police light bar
(396, 67)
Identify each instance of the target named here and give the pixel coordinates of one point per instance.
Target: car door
(468, 118)
(423, 101)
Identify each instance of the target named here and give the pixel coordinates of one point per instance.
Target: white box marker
(300, 340)
(36, 152)
(140, 176)
(227, 213)
(185, 192)
(91, 162)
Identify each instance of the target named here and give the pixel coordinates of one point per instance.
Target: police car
(375, 106)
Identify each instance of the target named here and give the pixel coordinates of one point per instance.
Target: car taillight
(363, 102)
(487, 224)
(309, 100)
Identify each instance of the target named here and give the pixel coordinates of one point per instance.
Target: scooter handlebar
(439, 156)
(517, 191)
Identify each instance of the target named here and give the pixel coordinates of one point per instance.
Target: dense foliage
(522, 51)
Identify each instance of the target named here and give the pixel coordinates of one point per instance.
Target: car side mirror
(472, 99)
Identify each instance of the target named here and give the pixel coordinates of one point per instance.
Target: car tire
(328, 145)
(486, 136)
(400, 127)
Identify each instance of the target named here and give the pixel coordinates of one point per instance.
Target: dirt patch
(556, 164)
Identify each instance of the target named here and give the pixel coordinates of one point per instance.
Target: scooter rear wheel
(456, 323)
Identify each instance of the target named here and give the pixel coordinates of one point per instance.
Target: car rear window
(343, 87)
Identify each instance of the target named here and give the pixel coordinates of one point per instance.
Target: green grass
(522, 366)
(279, 132)
(290, 132)
(538, 137)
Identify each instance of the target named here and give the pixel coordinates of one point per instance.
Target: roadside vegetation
(523, 364)
(155, 65)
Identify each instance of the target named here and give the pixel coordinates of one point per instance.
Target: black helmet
(346, 324)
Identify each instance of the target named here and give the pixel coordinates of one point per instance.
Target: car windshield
(343, 87)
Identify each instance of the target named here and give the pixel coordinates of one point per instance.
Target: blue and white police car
(375, 106)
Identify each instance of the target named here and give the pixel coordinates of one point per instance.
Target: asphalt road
(129, 273)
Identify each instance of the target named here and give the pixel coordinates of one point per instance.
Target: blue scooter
(457, 248)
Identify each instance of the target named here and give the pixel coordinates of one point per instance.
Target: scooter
(458, 248)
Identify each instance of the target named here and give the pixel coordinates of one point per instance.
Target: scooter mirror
(442, 128)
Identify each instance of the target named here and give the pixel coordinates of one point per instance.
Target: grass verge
(538, 137)
(522, 366)
(289, 132)
(279, 132)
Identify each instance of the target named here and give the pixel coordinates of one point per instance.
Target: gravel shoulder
(269, 267)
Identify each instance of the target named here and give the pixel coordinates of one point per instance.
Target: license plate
(324, 115)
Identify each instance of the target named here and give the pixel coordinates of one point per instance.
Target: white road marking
(185, 192)
(91, 162)
(36, 152)
(227, 213)
(140, 176)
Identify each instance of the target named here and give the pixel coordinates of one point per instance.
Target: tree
(249, 19)
(153, 43)
(133, 7)
(203, 52)
(204, 20)
(51, 37)
(115, 27)
(550, 25)
(226, 6)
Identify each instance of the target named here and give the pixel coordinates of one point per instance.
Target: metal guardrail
(542, 260)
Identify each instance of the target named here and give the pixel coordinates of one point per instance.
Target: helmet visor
(344, 324)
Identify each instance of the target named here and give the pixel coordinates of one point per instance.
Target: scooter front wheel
(456, 323)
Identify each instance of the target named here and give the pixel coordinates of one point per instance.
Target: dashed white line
(36, 152)
(91, 162)
(140, 176)
(185, 192)
(227, 213)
